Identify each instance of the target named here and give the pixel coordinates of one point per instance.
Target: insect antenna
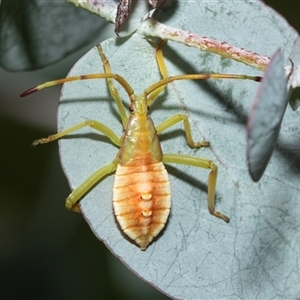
(152, 88)
(120, 79)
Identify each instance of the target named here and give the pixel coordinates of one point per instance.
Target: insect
(141, 189)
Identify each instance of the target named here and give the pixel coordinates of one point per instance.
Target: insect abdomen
(142, 200)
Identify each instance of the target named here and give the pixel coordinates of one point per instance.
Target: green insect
(141, 189)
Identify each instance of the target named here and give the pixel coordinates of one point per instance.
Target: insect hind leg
(212, 178)
(88, 184)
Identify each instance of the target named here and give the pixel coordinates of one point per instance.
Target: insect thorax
(140, 142)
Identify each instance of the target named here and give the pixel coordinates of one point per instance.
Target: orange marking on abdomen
(142, 200)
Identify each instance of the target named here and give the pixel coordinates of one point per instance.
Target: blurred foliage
(288, 9)
(35, 33)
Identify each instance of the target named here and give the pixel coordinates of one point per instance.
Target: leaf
(266, 116)
(34, 34)
(197, 255)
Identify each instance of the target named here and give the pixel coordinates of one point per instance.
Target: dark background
(47, 252)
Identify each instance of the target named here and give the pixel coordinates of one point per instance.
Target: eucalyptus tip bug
(141, 189)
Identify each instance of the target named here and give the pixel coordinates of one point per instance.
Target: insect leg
(113, 91)
(212, 179)
(163, 71)
(91, 123)
(178, 118)
(82, 189)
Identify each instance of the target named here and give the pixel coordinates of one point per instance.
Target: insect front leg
(212, 178)
(112, 89)
(176, 119)
(163, 71)
(90, 123)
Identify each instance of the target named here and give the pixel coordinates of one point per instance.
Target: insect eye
(131, 108)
